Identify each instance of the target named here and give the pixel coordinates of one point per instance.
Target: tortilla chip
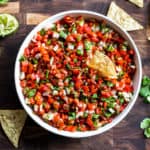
(122, 18)
(148, 32)
(103, 64)
(139, 3)
(12, 122)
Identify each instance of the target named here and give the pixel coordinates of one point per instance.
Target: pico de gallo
(59, 86)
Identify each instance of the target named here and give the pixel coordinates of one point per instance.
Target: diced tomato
(38, 98)
(50, 100)
(70, 38)
(24, 66)
(70, 128)
(91, 106)
(90, 122)
(23, 83)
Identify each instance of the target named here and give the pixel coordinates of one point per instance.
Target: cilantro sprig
(145, 89)
(145, 125)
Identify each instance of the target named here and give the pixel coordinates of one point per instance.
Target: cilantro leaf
(145, 81)
(145, 91)
(147, 132)
(145, 123)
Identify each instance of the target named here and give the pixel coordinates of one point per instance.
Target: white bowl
(137, 76)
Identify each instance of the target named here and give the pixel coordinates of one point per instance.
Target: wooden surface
(126, 135)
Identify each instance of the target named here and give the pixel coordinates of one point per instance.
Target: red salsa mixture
(59, 86)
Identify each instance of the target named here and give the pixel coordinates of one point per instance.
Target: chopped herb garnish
(107, 114)
(95, 116)
(110, 48)
(55, 88)
(31, 93)
(121, 99)
(22, 58)
(42, 32)
(71, 84)
(48, 42)
(110, 99)
(95, 96)
(72, 115)
(44, 81)
(68, 66)
(47, 74)
(75, 60)
(35, 61)
(105, 29)
(63, 34)
(80, 51)
(87, 45)
(85, 114)
(79, 37)
(109, 84)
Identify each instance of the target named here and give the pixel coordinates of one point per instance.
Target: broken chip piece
(122, 18)
(139, 3)
(103, 64)
(12, 122)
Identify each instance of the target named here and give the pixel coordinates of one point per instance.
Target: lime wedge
(8, 24)
(3, 2)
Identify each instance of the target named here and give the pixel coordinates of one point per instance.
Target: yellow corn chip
(12, 122)
(122, 18)
(103, 64)
(139, 3)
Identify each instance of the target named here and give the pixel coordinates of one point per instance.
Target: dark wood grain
(125, 136)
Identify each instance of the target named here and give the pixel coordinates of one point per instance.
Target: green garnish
(147, 132)
(121, 99)
(75, 60)
(48, 42)
(74, 28)
(79, 37)
(42, 32)
(22, 58)
(109, 84)
(109, 99)
(110, 48)
(95, 116)
(55, 88)
(35, 61)
(72, 115)
(44, 81)
(71, 84)
(145, 89)
(68, 66)
(31, 93)
(87, 45)
(124, 47)
(104, 29)
(107, 114)
(47, 74)
(145, 125)
(95, 96)
(85, 114)
(80, 51)
(63, 34)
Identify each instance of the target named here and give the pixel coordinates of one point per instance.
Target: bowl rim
(41, 122)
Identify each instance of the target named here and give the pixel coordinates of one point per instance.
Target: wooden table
(126, 135)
